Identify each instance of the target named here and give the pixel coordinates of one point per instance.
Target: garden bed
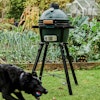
(59, 66)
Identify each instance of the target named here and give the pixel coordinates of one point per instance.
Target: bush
(85, 38)
(16, 9)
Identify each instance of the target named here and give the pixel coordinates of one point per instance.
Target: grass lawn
(88, 88)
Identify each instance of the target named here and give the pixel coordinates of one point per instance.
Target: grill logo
(50, 38)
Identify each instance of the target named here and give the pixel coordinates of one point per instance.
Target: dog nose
(45, 91)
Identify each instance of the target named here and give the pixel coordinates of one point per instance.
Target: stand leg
(38, 56)
(70, 62)
(43, 61)
(66, 70)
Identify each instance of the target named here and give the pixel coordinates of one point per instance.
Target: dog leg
(7, 96)
(19, 95)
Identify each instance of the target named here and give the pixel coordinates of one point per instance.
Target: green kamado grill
(54, 27)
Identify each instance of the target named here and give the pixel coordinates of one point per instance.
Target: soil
(55, 66)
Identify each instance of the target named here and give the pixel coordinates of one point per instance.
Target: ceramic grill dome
(54, 25)
(54, 13)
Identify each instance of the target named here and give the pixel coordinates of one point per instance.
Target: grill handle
(70, 27)
(35, 26)
(43, 26)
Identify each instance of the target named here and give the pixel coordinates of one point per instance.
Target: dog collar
(21, 75)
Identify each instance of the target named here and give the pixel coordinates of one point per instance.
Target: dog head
(31, 84)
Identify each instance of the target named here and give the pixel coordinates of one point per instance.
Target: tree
(16, 9)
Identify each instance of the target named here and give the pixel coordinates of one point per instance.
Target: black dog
(13, 78)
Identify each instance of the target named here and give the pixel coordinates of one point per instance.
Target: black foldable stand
(63, 49)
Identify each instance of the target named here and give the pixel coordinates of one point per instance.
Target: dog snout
(45, 91)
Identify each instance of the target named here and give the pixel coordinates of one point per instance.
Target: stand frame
(63, 49)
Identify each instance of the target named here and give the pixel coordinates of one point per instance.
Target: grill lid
(53, 18)
(54, 13)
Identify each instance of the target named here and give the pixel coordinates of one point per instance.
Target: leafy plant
(18, 47)
(85, 38)
(16, 9)
(22, 46)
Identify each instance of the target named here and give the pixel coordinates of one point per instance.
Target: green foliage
(16, 8)
(22, 46)
(85, 38)
(17, 47)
